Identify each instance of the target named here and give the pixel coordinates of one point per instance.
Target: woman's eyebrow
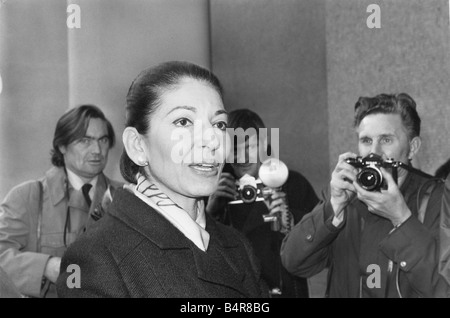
(190, 108)
(220, 112)
(194, 110)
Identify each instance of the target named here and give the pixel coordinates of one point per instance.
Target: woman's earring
(143, 163)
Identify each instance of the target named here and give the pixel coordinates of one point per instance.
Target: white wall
(47, 68)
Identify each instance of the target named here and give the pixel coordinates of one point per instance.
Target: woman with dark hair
(157, 240)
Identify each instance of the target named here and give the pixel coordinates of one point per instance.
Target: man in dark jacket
(381, 242)
(295, 198)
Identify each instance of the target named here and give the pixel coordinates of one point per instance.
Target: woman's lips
(205, 168)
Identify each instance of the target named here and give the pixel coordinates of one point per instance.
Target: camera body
(248, 193)
(370, 177)
(273, 173)
(249, 190)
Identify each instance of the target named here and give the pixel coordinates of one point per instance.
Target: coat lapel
(217, 265)
(142, 218)
(56, 183)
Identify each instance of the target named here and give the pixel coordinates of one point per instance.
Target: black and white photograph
(225, 154)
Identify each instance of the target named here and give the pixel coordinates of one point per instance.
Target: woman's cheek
(224, 149)
(180, 145)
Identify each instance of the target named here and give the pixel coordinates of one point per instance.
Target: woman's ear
(414, 146)
(62, 149)
(134, 146)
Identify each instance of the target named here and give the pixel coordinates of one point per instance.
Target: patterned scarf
(195, 231)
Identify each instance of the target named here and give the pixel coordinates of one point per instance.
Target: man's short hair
(248, 121)
(401, 104)
(73, 126)
(245, 119)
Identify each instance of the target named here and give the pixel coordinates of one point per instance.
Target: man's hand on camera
(277, 204)
(342, 186)
(226, 191)
(388, 204)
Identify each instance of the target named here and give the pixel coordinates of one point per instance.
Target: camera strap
(413, 170)
(39, 216)
(422, 207)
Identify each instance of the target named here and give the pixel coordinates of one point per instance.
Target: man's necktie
(85, 188)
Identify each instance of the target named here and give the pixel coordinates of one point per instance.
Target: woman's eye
(182, 122)
(221, 125)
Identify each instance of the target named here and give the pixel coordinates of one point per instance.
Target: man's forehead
(96, 128)
(380, 124)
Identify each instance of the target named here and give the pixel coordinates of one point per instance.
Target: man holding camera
(381, 242)
(264, 220)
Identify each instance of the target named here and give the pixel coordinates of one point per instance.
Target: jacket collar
(144, 219)
(57, 184)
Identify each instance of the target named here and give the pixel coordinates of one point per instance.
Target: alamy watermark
(74, 279)
(374, 279)
(234, 146)
(374, 19)
(74, 18)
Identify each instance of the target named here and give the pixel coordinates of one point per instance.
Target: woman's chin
(204, 189)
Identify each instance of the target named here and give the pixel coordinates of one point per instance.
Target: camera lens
(248, 194)
(370, 179)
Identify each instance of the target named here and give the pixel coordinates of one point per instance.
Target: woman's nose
(205, 135)
(211, 139)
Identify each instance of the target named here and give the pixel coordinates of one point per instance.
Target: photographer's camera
(370, 177)
(273, 174)
(249, 190)
(248, 194)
